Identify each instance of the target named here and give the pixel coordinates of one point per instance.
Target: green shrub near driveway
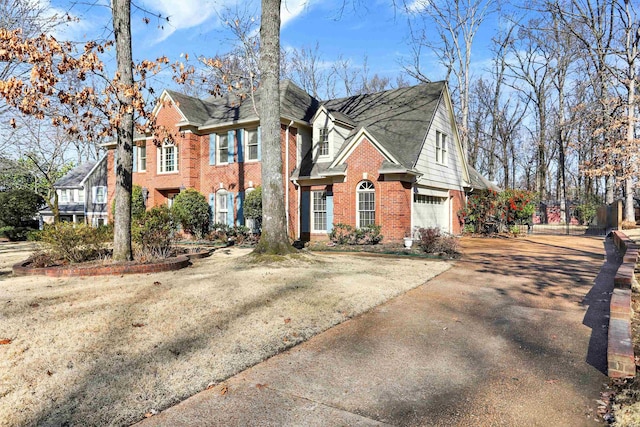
(489, 210)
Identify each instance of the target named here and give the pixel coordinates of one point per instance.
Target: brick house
(391, 158)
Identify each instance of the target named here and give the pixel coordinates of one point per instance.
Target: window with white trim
(80, 196)
(168, 158)
(100, 195)
(319, 211)
(64, 196)
(365, 204)
(428, 200)
(323, 141)
(223, 148)
(441, 148)
(221, 207)
(142, 158)
(252, 144)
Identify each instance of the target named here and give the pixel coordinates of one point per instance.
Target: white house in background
(82, 195)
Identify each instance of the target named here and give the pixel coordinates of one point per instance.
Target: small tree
(191, 210)
(252, 206)
(18, 206)
(137, 202)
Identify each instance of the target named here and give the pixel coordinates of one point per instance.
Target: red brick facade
(194, 170)
(393, 192)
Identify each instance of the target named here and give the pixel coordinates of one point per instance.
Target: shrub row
(344, 234)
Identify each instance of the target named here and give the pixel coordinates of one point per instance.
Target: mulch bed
(102, 268)
(393, 249)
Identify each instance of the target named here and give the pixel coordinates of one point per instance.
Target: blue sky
(374, 28)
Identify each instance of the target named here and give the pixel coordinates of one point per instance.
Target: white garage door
(431, 211)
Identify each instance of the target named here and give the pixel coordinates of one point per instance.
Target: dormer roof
(398, 119)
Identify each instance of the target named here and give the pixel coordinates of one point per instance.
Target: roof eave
(400, 170)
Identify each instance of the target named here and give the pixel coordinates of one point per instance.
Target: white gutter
(299, 189)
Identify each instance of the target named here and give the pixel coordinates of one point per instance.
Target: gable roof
(75, 177)
(295, 104)
(398, 119)
(195, 110)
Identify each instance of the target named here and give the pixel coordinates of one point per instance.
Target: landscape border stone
(116, 269)
(620, 355)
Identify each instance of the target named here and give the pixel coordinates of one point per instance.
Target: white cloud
(416, 6)
(184, 14)
(291, 9)
(76, 29)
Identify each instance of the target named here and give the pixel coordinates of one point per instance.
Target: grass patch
(106, 350)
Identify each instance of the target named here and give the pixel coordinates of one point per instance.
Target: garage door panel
(431, 211)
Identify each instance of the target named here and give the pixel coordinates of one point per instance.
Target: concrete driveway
(504, 338)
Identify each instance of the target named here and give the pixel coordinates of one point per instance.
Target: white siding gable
(336, 138)
(449, 175)
(322, 120)
(337, 135)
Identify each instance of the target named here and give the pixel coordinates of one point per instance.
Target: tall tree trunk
(541, 163)
(632, 33)
(274, 238)
(121, 10)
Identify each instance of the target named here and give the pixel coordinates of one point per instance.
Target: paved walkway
(504, 338)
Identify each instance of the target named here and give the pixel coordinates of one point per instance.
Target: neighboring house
(392, 158)
(82, 195)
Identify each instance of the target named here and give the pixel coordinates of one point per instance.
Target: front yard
(108, 350)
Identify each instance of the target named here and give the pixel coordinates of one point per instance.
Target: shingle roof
(479, 182)
(399, 119)
(295, 104)
(72, 208)
(73, 178)
(310, 169)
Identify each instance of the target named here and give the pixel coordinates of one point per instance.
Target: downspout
(411, 196)
(286, 168)
(450, 212)
(298, 209)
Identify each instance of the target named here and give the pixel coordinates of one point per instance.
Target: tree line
(554, 112)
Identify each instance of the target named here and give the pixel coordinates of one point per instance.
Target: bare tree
(456, 22)
(592, 23)
(307, 71)
(531, 68)
(43, 154)
(631, 45)
(121, 12)
(274, 238)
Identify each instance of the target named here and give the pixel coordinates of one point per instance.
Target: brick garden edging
(170, 264)
(620, 356)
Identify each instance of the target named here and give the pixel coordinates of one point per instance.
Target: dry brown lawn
(108, 350)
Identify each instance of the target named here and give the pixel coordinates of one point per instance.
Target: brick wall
(458, 201)
(393, 198)
(194, 170)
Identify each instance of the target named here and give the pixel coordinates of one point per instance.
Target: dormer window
(441, 148)
(323, 142)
